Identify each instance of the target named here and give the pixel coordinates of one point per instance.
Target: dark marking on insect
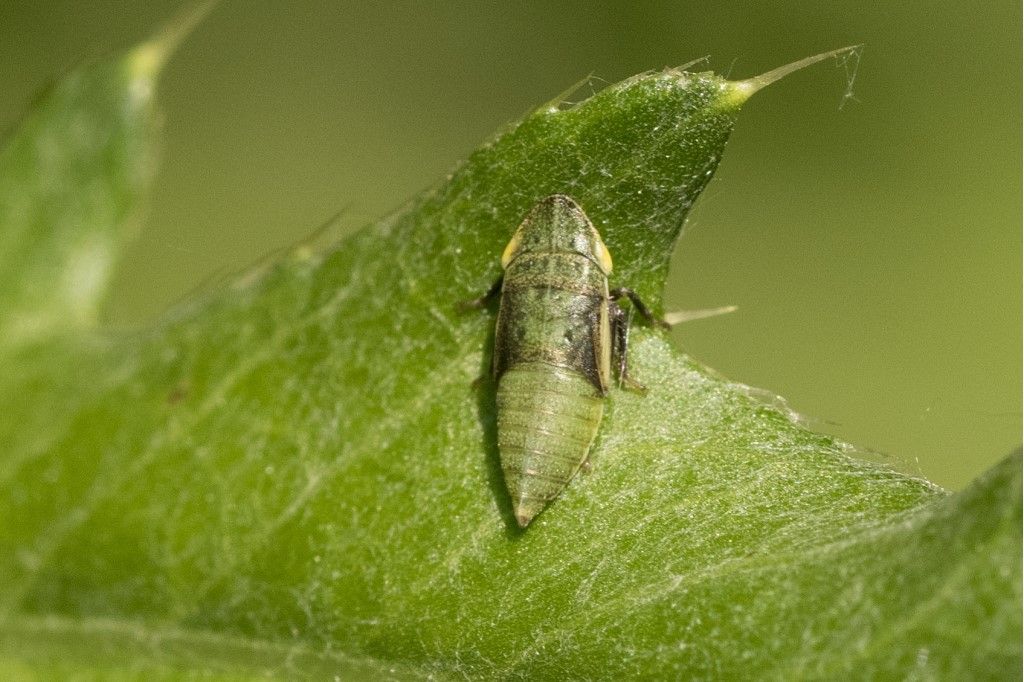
(560, 331)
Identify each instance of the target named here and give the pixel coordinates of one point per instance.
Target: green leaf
(71, 181)
(297, 475)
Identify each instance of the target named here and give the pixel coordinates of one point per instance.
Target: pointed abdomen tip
(526, 511)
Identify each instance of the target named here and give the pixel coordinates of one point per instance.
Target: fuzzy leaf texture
(296, 476)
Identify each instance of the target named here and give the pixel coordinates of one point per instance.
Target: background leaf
(296, 474)
(71, 180)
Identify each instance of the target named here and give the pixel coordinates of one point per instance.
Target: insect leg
(616, 294)
(477, 303)
(620, 320)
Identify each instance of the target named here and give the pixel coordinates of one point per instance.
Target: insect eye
(513, 246)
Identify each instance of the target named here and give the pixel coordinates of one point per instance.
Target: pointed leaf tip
(680, 316)
(740, 91)
(149, 57)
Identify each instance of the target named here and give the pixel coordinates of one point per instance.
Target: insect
(559, 332)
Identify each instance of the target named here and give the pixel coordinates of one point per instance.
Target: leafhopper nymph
(560, 330)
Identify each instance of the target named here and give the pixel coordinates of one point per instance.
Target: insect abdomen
(547, 419)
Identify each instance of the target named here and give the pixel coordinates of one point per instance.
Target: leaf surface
(297, 474)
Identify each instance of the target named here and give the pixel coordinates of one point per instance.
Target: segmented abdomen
(547, 420)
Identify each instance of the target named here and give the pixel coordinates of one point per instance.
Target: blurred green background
(874, 248)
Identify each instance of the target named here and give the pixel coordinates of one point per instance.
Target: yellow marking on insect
(513, 246)
(604, 256)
